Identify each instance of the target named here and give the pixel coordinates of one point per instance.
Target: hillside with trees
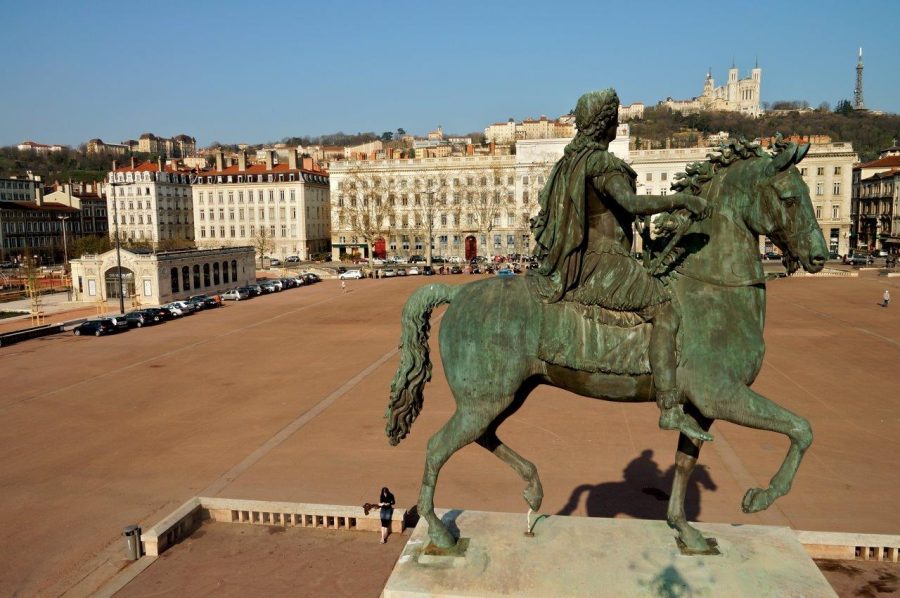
(868, 132)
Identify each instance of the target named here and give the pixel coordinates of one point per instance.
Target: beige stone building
(287, 203)
(97, 146)
(477, 204)
(875, 211)
(151, 201)
(540, 128)
(737, 95)
(158, 278)
(179, 146)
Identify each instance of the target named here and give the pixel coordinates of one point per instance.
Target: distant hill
(868, 132)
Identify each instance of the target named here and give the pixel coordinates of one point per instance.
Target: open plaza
(282, 399)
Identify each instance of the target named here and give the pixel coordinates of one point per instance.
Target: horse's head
(782, 209)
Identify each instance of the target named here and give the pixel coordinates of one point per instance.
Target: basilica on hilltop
(737, 95)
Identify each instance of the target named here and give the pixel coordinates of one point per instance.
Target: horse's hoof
(534, 498)
(441, 537)
(756, 499)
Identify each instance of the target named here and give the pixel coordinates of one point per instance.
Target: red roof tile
(888, 162)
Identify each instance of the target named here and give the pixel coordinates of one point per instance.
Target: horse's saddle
(594, 339)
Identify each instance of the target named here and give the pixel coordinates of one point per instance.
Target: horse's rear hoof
(755, 500)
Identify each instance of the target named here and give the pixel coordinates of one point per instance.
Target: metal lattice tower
(858, 103)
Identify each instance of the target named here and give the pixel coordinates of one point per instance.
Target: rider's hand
(697, 206)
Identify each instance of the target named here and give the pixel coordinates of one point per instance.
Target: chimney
(470, 149)
(159, 163)
(220, 160)
(270, 159)
(132, 162)
(292, 159)
(114, 166)
(493, 148)
(308, 164)
(228, 162)
(242, 161)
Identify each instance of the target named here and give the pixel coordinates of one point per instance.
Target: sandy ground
(99, 433)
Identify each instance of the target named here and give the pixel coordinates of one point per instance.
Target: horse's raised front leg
(751, 409)
(685, 460)
(534, 492)
(461, 429)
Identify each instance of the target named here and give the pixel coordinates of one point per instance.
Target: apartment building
(875, 211)
(284, 206)
(152, 202)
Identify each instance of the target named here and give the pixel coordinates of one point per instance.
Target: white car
(234, 295)
(414, 271)
(176, 310)
(350, 275)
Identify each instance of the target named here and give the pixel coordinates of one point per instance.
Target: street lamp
(65, 255)
(113, 185)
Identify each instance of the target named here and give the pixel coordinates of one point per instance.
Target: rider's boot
(672, 417)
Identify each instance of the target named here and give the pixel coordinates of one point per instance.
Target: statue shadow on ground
(642, 494)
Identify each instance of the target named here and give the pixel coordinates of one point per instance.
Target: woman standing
(386, 502)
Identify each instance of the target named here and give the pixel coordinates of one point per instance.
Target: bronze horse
(491, 335)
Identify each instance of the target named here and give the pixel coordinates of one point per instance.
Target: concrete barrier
(181, 522)
(11, 338)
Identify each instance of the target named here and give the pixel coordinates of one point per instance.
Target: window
(234, 270)
(836, 188)
(820, 171)
(820, 188)
(224, 272)
(174, 274)
(649, 176)
(818, 212)
(216, 273)
(803, 172)
(186, 278)
(837, 170)
(835, 212)
(205, 275)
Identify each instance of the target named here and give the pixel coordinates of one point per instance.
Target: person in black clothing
(386, 502)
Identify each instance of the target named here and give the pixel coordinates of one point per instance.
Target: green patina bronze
(585, 320)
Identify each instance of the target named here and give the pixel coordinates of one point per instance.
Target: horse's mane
(696, 176)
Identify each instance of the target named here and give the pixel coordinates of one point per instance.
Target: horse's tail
(415, 366)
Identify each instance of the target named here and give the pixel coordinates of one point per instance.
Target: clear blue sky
(260, 71)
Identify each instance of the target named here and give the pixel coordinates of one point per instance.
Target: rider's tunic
(576, 262)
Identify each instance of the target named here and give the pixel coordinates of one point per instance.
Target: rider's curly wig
(594, 113)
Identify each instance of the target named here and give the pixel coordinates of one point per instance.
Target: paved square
(282, 398)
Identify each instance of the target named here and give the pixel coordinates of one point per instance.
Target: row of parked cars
(157, 315)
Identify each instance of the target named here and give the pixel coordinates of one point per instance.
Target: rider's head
(597, 115)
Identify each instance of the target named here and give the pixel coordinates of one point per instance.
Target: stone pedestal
(578, 556)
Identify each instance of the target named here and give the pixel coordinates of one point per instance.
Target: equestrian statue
(683, 329)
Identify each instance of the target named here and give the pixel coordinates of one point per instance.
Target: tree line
(869, 133)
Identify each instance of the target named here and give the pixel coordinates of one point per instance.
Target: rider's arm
(641, 205)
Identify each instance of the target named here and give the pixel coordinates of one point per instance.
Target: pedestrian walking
(343, 286)
(886, 298)
(386, 502)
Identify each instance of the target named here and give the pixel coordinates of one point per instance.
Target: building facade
(283, 208)
(180, 146)
(97, 146)
(540, 128)
(89, 200)
(36, 228)
(737, 95)
(150, 202)
(158, 278)
(25, 188)
(876, 204)
(469, 205)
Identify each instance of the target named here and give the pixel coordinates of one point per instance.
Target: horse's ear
(782, 159)
(801, 152)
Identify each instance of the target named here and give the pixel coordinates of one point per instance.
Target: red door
(471, 248)
(379, 249)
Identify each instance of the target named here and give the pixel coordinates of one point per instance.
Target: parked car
(292, 259)
(186, 308)
(772, 255)
(277, 283)
(859, 260)
(351, 275)
(274, 262)
(253, 289)
(299, 280)
(455, 269)
(235, 295)
(427, 271)
(267, 287)
(311, 278)
(401, 271)
(505, 272)
(95, 327)
(416, 259)
(388, 273)
(205, 301)
(413, 271)
(176, 311)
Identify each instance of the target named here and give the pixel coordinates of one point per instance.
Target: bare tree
(263, 242)
(365, 208)
(486, 198)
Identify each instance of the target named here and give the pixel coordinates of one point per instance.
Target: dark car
(204, 301)
(427, 271)
(253, 289)
(135, 319)
(95, 327)
(267, 287)
(455, 270)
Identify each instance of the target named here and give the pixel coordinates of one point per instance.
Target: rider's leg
(663, 363)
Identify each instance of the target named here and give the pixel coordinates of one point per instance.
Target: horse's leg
(685, 459)
(462, 428)
(751, 409)
(534, 492)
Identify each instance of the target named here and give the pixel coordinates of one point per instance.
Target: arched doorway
(471, 248)
(113, 285)
(379, 249)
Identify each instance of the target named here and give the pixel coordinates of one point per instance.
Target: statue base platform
(585, 556)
